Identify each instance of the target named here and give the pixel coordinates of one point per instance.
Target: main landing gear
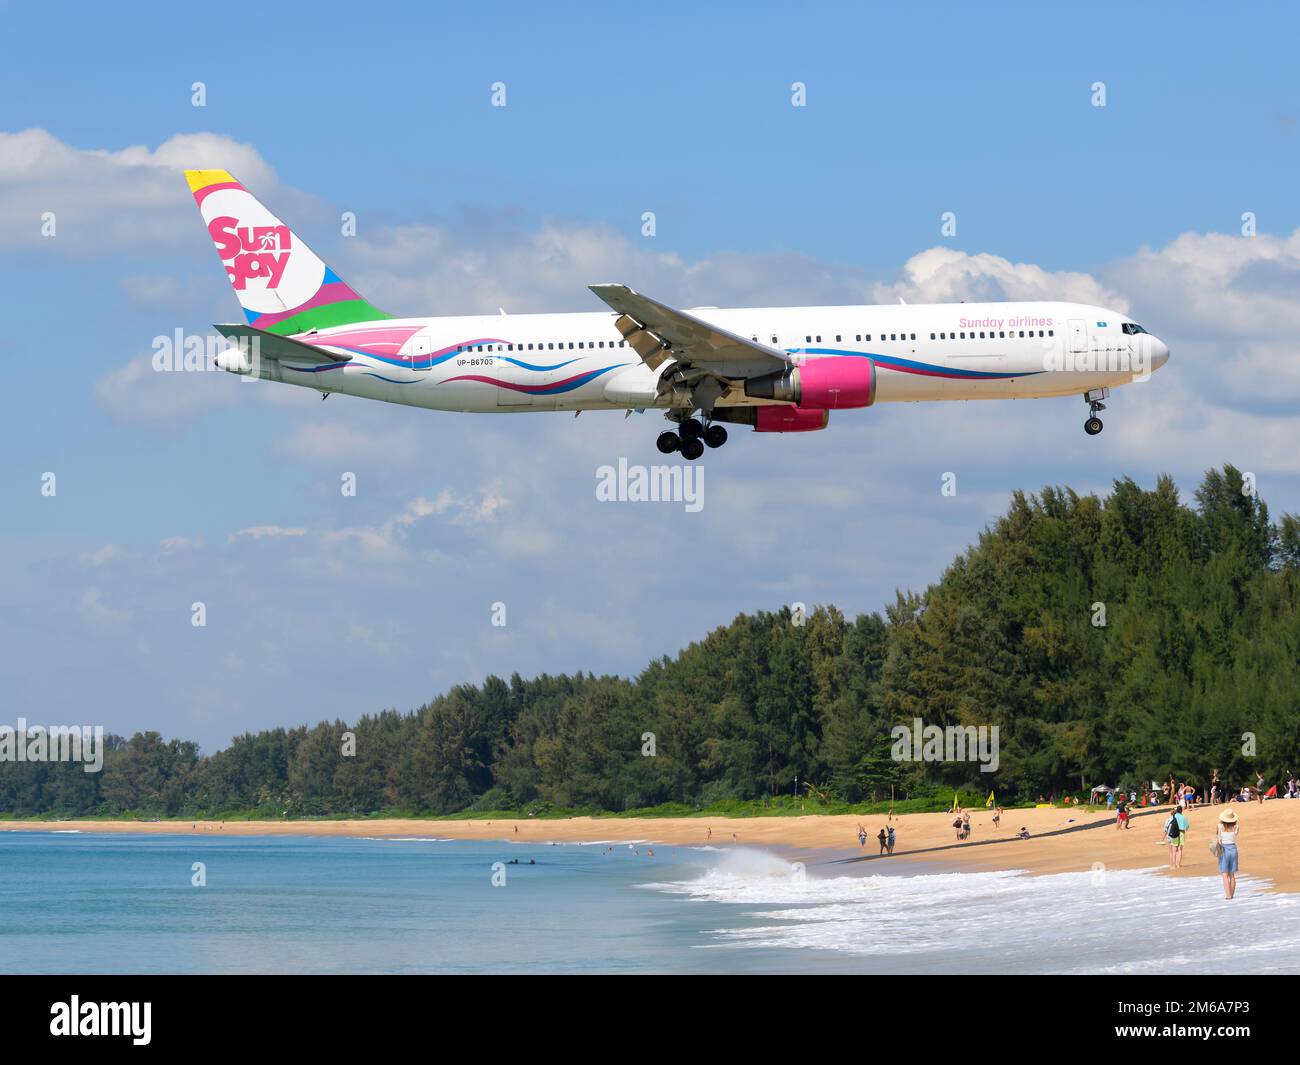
(1094, 399)
(691, 438)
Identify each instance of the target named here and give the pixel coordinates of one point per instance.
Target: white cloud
(945, 275)
(107, 201)
(137, 394)
(104, 555)
(265, 532)
(1221, 286)
(100, 616)
(469, 268)
(171, 544)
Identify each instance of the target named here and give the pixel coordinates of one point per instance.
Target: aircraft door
(420, 351)
(1078, 335)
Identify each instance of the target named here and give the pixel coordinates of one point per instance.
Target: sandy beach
(1270, 836)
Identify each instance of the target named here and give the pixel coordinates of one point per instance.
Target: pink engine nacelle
(830, 383)
(789, 419)
(836, 382)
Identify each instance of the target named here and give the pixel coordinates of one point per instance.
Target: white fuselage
(537, 362)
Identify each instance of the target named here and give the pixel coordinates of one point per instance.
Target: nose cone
(1159, 353)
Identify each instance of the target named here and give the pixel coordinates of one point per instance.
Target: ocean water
(77, 903)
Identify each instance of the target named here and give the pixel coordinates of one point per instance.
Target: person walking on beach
(1214, 788)
(997, 818)
(1259, 786)
(965, 826)
(1121, 811)
(1226, 838)
(862, 836)
(891, 839)
(884, 841)
(1176, 832)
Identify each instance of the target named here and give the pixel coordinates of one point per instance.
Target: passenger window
(837, 338)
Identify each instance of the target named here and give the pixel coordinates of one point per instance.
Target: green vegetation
(1200, 645)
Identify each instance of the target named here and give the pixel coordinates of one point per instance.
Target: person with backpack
(1176, 833)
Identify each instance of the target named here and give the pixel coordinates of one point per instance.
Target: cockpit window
(1133, 327)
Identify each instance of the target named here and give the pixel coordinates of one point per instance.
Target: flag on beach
(989, 801)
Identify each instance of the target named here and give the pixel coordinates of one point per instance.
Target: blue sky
(353, 605)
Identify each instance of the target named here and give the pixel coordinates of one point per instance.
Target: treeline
(1109, 640)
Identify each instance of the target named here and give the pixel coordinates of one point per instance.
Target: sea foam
(1114, 921)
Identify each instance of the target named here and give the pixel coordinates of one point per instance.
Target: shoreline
(1083, 840)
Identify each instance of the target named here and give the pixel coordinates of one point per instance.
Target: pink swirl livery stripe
(374, 340)
(384, 343)
(545, 389)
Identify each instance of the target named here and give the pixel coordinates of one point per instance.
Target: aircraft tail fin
(283, 286)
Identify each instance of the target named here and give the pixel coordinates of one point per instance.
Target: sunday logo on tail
(283, 286)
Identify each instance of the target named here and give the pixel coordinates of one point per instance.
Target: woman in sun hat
(1226, 838)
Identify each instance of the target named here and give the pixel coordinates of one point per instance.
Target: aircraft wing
(272, 346)
(658, 332)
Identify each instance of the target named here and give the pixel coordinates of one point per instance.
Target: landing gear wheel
(692, 449)
(668, 443)
(691, 429)
(1092, 426)
(715, 435)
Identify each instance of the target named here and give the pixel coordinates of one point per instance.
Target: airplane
(775, 369)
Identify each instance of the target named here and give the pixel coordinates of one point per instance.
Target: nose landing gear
(1094, 399)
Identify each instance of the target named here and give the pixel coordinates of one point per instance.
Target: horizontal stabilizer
(271, 346)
